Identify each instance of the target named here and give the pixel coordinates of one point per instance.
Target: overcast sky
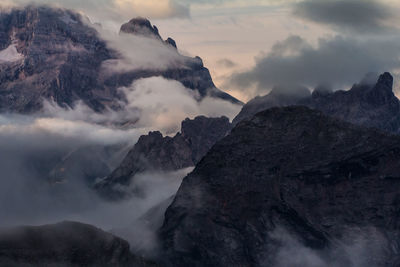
(252, 45)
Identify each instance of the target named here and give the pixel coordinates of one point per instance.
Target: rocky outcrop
(294, 169)
(364, 104)
(56, 54)
(60, 60)
(140, 26)
(64, 244)
(153, 152)
(278, 97)
(85, 164)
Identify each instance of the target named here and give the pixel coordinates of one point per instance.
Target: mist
(51, 160)
(358, 247)
(45, 180)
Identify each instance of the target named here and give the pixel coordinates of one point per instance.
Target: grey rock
(87, 164)
(367, 105)
(140, 26)
(278, 97)
(61, 57)
(364, 104)
(157, 153)
(291, 168)
(171, 42)
(64, 244)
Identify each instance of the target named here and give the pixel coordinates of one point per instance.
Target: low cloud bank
(359, 247)
(45, 158)
(338, 62)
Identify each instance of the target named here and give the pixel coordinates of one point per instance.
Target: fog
(358, 247)
(51, 160)
(47, 165)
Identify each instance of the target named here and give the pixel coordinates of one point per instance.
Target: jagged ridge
(291, 168)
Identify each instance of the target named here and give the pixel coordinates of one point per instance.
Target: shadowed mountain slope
(294, 169)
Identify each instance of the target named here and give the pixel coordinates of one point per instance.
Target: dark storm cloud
(338, 61)
(358, 16)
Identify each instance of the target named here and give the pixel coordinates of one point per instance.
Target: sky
(251, 46)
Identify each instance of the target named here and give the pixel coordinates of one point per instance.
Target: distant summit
(140, 26)
(371, 105)
(285, 173)
(53, 54)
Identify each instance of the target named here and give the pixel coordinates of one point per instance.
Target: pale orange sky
(235, 33)
(237, 30)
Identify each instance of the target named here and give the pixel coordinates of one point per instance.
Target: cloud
(117, 10)
(154, 54)
(154, 8)
(350, 16)
(34, 146)
(163, 104)
(358, 247)
(337, 61)
(226, 63)
(29, 197)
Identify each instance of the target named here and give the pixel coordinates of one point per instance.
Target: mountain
(153, 152)
(58, 55)
(64, 244)
(278, 97)
(364, 104)
(142, 26)
(87, 163)
(289, 174)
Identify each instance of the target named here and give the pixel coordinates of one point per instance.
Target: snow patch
(10, 54)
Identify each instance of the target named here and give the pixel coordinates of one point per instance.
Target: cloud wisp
(37, 151)
(350, 16)
(115, 10)
(337, 61)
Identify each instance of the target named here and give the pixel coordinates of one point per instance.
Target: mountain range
(296, 179)
(58, 55)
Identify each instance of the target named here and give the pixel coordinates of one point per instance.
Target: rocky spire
(140, 26)
(171, 42)
(382, 92)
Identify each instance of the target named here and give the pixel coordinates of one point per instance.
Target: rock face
(371, 106)
(64, 244)
(294, 169)
(87, 164)
(155, 152)
(60, 59)
(140, 26)
(364, 104)
(56, 54)
(278, 97)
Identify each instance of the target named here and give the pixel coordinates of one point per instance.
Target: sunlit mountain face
(199, 133)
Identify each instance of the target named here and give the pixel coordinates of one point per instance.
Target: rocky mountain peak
(385, 81)
(153, 152)
(53, 54)
(171, 42)
(289, 168)
(321, 91)
(290, 91)
(366, 103)
(64, 244)
(140, 26)
(382, 93)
